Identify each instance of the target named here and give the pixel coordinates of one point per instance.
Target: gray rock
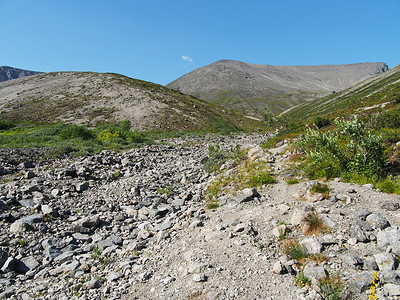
(9, 265)
(245, 196)
(105, 243)
(27, 202)
(37, 218)
(387, 237)
(88, 222)
(81, 186)
(26, 264)
(360, 282)
(18, 227)
(390, 205)
(48, 210)
(92, 284)
(369, 185)
(389, 276)
(370, 264)
(358, 233)
(64, 257)
(361, 213)
(51, 253)
(199, 277)
(391, 289)
(279, 268)
(113, 276)
(352, 260)
(315, 273)
(3, 257)
(311, 245)
(386, 261)
(377, 221)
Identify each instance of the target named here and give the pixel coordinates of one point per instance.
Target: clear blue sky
(161, 40)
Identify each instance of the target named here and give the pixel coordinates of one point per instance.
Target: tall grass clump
(349, 149)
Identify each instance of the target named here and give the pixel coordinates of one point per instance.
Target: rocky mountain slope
(8, 73)
(92, 98)
(244, 87)
(134, 225)
(380, 92)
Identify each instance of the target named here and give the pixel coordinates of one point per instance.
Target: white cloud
(187, 58)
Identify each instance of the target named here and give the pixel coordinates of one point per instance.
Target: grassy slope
(381, 89)
(179, 113)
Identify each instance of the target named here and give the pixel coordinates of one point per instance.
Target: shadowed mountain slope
(245, 87)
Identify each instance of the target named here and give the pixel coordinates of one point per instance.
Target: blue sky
(161, 40)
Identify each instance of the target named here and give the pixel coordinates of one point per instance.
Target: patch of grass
(260, 178)
(331, 288)
(294, 249)
(314, 224)
(301, 280)
(321, 189)
(292, 181)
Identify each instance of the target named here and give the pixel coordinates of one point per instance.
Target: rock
(26, 264)
(245, 196)
(9, 264)
(279, 268)
(239, 227)
(315, 273)
(352, 260)
(357, 233)
(369, 185)
(386, 261)
(64, 257)
(113, 276)
(92, 284)
(311, 245)
(48, 210)
(388, 237)
(390, 205)
(3, 257)
(88, 222)
(81, 186)
(391, 290)
(360, 282)
(377, 221)
(283, 209)
(199, 277)
(389, 276)
(298, 216)
(18, 227)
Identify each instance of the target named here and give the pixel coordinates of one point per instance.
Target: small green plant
(22, 242)
(292, 181)
(96, 255)
(167, 190)
(331, 288)
(260, 178)
(117, 175)
(374, 284)
(295, 250)
(301, 280)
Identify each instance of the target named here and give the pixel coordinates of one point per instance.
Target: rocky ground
(134, 225)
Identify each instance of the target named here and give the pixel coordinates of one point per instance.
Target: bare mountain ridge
(244, 87)
(91, 98)
(8, 73)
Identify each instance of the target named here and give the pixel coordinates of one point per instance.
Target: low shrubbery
(349, 149)
(73, 139)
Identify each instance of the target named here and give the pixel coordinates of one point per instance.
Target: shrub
(260, 178)
(321, 122)
(349, 149)
(75, 131)
(4, 124)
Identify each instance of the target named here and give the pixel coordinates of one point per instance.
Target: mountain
(8, 73)
(92, 98)
(375, 94)
(245, 87)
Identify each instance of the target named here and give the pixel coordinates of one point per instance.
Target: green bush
(386, 119)
(76, 131)
(4, 124)
(351, 148)
(321, 122)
